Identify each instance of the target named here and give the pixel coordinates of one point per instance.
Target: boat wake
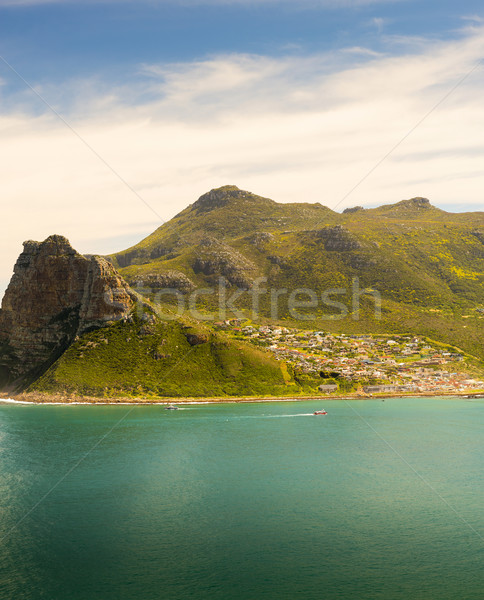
(288, 416)
(274, 416)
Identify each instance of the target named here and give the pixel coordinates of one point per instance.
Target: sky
(117, 114)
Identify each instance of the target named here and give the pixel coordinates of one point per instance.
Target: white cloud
(294, 129)
(474, 19)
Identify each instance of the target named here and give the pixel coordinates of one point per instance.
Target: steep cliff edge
(54, 295)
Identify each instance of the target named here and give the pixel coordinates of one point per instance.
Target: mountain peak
(411, 208)
(53, 245)
(417, 202)
(55, 294)
(222, 196)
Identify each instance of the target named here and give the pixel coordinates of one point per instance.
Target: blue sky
(63, 39)
(162, 100)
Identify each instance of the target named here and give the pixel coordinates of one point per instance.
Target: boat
(320, 412)
(171, 407)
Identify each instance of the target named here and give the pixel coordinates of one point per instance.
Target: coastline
(60, 399)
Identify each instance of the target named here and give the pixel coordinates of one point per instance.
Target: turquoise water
(246, 501)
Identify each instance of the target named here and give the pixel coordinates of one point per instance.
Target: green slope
(156, 360)
(427, 264)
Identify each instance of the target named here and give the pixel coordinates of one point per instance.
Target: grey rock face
(169, 279)
(338, 238)
(54, 295)
(217, 258)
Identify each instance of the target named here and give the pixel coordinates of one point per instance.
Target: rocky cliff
(54, 295)
(214, 258)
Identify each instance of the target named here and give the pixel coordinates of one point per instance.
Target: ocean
(375, 500)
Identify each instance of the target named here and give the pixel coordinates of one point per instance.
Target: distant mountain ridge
(412, 252)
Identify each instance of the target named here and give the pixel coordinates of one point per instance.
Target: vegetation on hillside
(165, 359)
(427, 264)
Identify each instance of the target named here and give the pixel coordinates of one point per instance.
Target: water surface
(376, 500)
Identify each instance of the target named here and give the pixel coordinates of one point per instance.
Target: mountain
(141, 322)
(71, 324)
(426, 264)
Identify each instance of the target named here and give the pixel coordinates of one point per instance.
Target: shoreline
(32, 398)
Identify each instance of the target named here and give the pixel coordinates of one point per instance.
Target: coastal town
(369, 364)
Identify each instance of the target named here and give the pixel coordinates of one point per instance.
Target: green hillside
(164, 359)
(427, 264)
(405, 268)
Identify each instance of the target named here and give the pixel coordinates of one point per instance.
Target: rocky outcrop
(412, 207)
(216, 258)
(353, 209)
(195, 338)
(54, 295)
(418, 203)
(275, 259)
(171, 279)
(260, 239)
(224, 196)
(338, 238)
